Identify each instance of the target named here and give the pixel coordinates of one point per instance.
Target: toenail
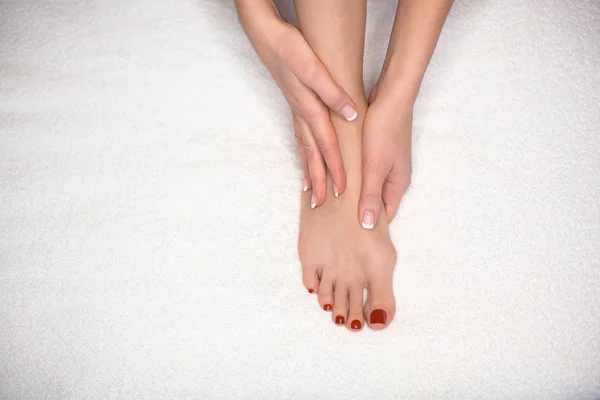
(313, 201)
(368, 220)
(378, 317)
(340, 320)
(310, 291)
(327, 307)
(355, 324)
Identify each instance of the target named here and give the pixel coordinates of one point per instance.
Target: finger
(306, 181)
(316, 166)
(317, 78)
(394, 188)
(326, 140)
(374, 175)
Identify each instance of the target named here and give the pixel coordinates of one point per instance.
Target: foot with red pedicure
(339, 258)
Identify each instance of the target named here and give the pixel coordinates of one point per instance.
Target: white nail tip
(353, 117)
(313, 205)
(304, 188)
(368, 226)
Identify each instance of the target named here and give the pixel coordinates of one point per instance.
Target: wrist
(394, 90)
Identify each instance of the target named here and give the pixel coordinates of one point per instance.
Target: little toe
(380, 306)
(326, 293)
(310, 278)
(355, 308)
(340, 309)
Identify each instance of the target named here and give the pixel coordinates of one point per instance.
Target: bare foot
(340, 258)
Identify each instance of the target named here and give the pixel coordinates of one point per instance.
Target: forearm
(260, 20)
(414, 36)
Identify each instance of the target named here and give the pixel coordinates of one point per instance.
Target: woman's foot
(340, 258)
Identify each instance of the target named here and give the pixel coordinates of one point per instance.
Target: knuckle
(325, 144)
(310, 70)
(338, 99)
(312, 110)
(312, 152)
(370, 197)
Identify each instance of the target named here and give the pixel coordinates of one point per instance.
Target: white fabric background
(149, 193)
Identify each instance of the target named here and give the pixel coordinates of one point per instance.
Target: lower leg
(335, 30)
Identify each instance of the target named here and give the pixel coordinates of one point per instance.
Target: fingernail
(311, 291)
(313, 201)
(355, 324)
(349, 113)
(378, 317)
(340, 320)
(335, 190)
(327, 307)
(368, 220)
(304, 185)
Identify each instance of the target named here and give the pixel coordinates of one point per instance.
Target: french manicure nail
(340, 320)
(349, 113)
(378, 317)
(313, 201)
(335, 190)
(355, 324)
(368, 220)
(304, 185)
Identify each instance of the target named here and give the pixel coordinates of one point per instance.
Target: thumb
(374, 175)
(332, 94)
(394, 188)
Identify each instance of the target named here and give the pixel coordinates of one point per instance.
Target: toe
(380, 306)
(340, 307)
(310, 277)
(355, 308)
(326, 293)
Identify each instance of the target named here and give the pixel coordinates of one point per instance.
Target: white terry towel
(149, 191)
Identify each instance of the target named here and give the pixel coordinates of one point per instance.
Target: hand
(386, 157)
(310, 92)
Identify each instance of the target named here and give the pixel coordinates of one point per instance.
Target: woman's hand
(309, 90)
(386, 156)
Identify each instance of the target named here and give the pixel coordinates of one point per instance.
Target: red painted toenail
(311, 291)
(378, 317)
(327, 307)
(340, 320)
(355, 324)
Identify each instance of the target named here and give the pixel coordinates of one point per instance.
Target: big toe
(380, 306)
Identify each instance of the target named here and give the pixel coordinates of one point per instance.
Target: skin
(339, 258)
(309, 89)
(369, 159)
(386, 147)
(387, 139)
